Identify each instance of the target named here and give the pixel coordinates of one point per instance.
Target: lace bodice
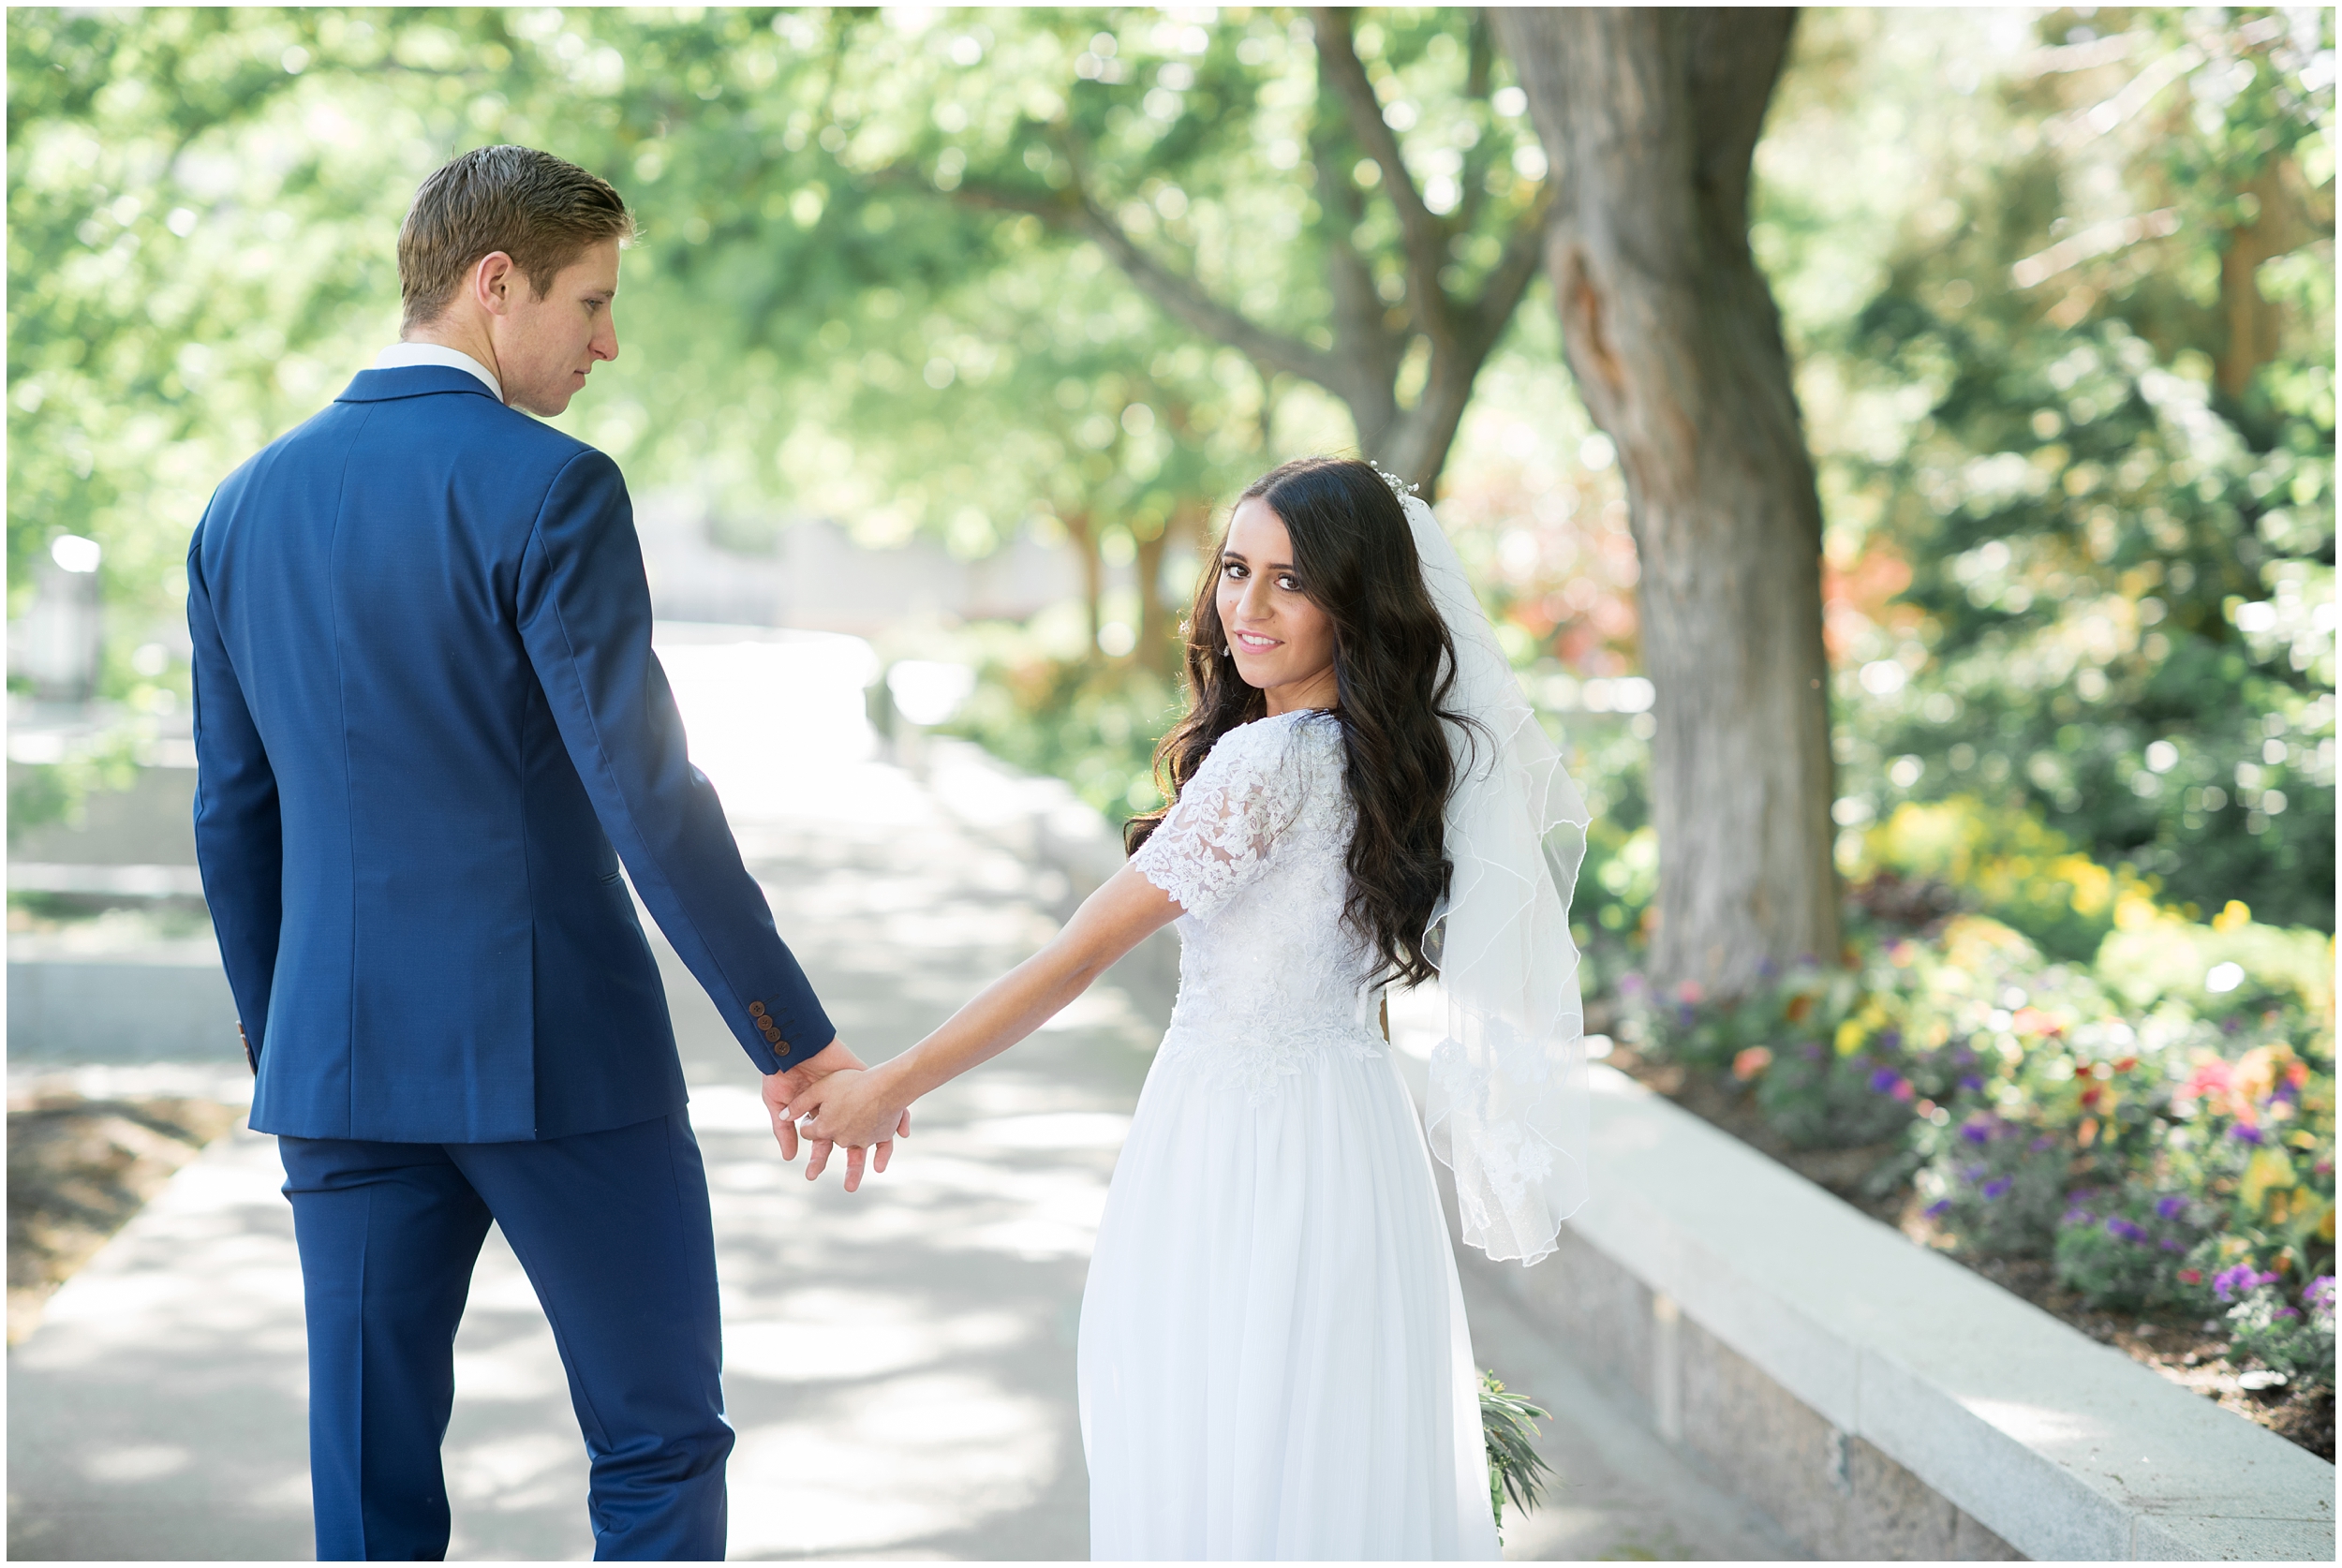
(1270, 977)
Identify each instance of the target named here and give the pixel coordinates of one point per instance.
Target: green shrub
(1817, 1099)
(2008, 865)
(1996, 1186)
(2292, 1336)
(2128, 1247)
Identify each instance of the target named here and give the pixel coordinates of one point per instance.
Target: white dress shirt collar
(400, 356)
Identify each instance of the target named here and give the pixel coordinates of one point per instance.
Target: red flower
(2191, 1275)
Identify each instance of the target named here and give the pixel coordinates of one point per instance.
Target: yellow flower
(2269, 1168)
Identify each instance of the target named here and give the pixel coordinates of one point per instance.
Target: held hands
(786, 1098)
(854, 1108)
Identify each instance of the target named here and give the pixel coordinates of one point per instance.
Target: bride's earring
(1228, 652)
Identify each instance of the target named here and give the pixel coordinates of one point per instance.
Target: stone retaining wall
(1837, 1496)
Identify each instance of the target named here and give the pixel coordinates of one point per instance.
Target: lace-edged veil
(1507, 1110)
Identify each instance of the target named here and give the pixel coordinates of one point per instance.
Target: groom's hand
(783, 1089)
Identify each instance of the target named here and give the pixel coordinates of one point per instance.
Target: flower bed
(2143, 1144)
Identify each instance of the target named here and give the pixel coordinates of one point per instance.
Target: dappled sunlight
(136, 1462)
(509, 1473)
(870, 1342)
(917, 1457)
(1057, 1130)
(2047, 1427)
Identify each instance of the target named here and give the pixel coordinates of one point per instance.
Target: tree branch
(1735, 59)
(1177, 295)
(1524, 249)
(1421, 233)
(1369, 348)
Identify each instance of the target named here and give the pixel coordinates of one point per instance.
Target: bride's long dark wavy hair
(1394, 666)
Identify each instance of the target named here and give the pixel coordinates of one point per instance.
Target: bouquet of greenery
(1510, 1424)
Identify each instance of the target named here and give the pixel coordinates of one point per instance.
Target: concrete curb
(162, 1002)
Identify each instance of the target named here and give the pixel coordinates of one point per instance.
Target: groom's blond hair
(543, 212)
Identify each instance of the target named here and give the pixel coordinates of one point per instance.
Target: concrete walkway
(899, 1362)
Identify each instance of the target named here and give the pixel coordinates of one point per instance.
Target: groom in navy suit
(430, 730)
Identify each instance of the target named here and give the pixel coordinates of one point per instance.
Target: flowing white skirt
(1274, 1362)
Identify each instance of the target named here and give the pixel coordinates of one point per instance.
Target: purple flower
(1977, 1131)
(1942, 1207)
(1633, 984)
(1996, 1186)
(2077, 1217)
(1889, 1039)
(1767, 969)
(2245, 1135)
(2286, 1312)
(2289, 1092)
(2172, 1207)
(1974, 1173)
(2319, 1296)
(2118, 1226)
(2171, 1245)
(1971, 1083)
(1885, 1079)
(2230, 1283)
(2042, 1144)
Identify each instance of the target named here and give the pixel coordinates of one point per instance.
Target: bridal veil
(1507, 1106)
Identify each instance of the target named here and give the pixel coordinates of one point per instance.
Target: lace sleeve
(1215, 841)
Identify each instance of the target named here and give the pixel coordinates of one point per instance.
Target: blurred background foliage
(2059, 283)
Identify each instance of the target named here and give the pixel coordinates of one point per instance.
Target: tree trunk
(1158, 617)
(1085, 537)
(1649, 118)
(2284, 219)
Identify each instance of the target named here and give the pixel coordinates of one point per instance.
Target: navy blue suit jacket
(425, 710)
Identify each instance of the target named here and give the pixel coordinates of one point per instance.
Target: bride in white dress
(1274, 1362)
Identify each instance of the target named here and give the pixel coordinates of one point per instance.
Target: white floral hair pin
(1399, 487)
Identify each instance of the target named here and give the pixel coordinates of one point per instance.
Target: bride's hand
(784, 1090)
(856, 1108)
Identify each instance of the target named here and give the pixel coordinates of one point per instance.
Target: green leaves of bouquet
(1509, 1423)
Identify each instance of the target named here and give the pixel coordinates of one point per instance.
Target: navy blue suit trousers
(613, 1229)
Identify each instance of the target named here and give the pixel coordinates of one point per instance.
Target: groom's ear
(494, 279)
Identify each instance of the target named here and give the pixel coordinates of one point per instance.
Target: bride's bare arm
(851, 1109)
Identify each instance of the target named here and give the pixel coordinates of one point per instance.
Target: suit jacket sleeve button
(756, 1009)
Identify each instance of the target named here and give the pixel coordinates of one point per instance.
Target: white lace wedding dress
(1274, 1362)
